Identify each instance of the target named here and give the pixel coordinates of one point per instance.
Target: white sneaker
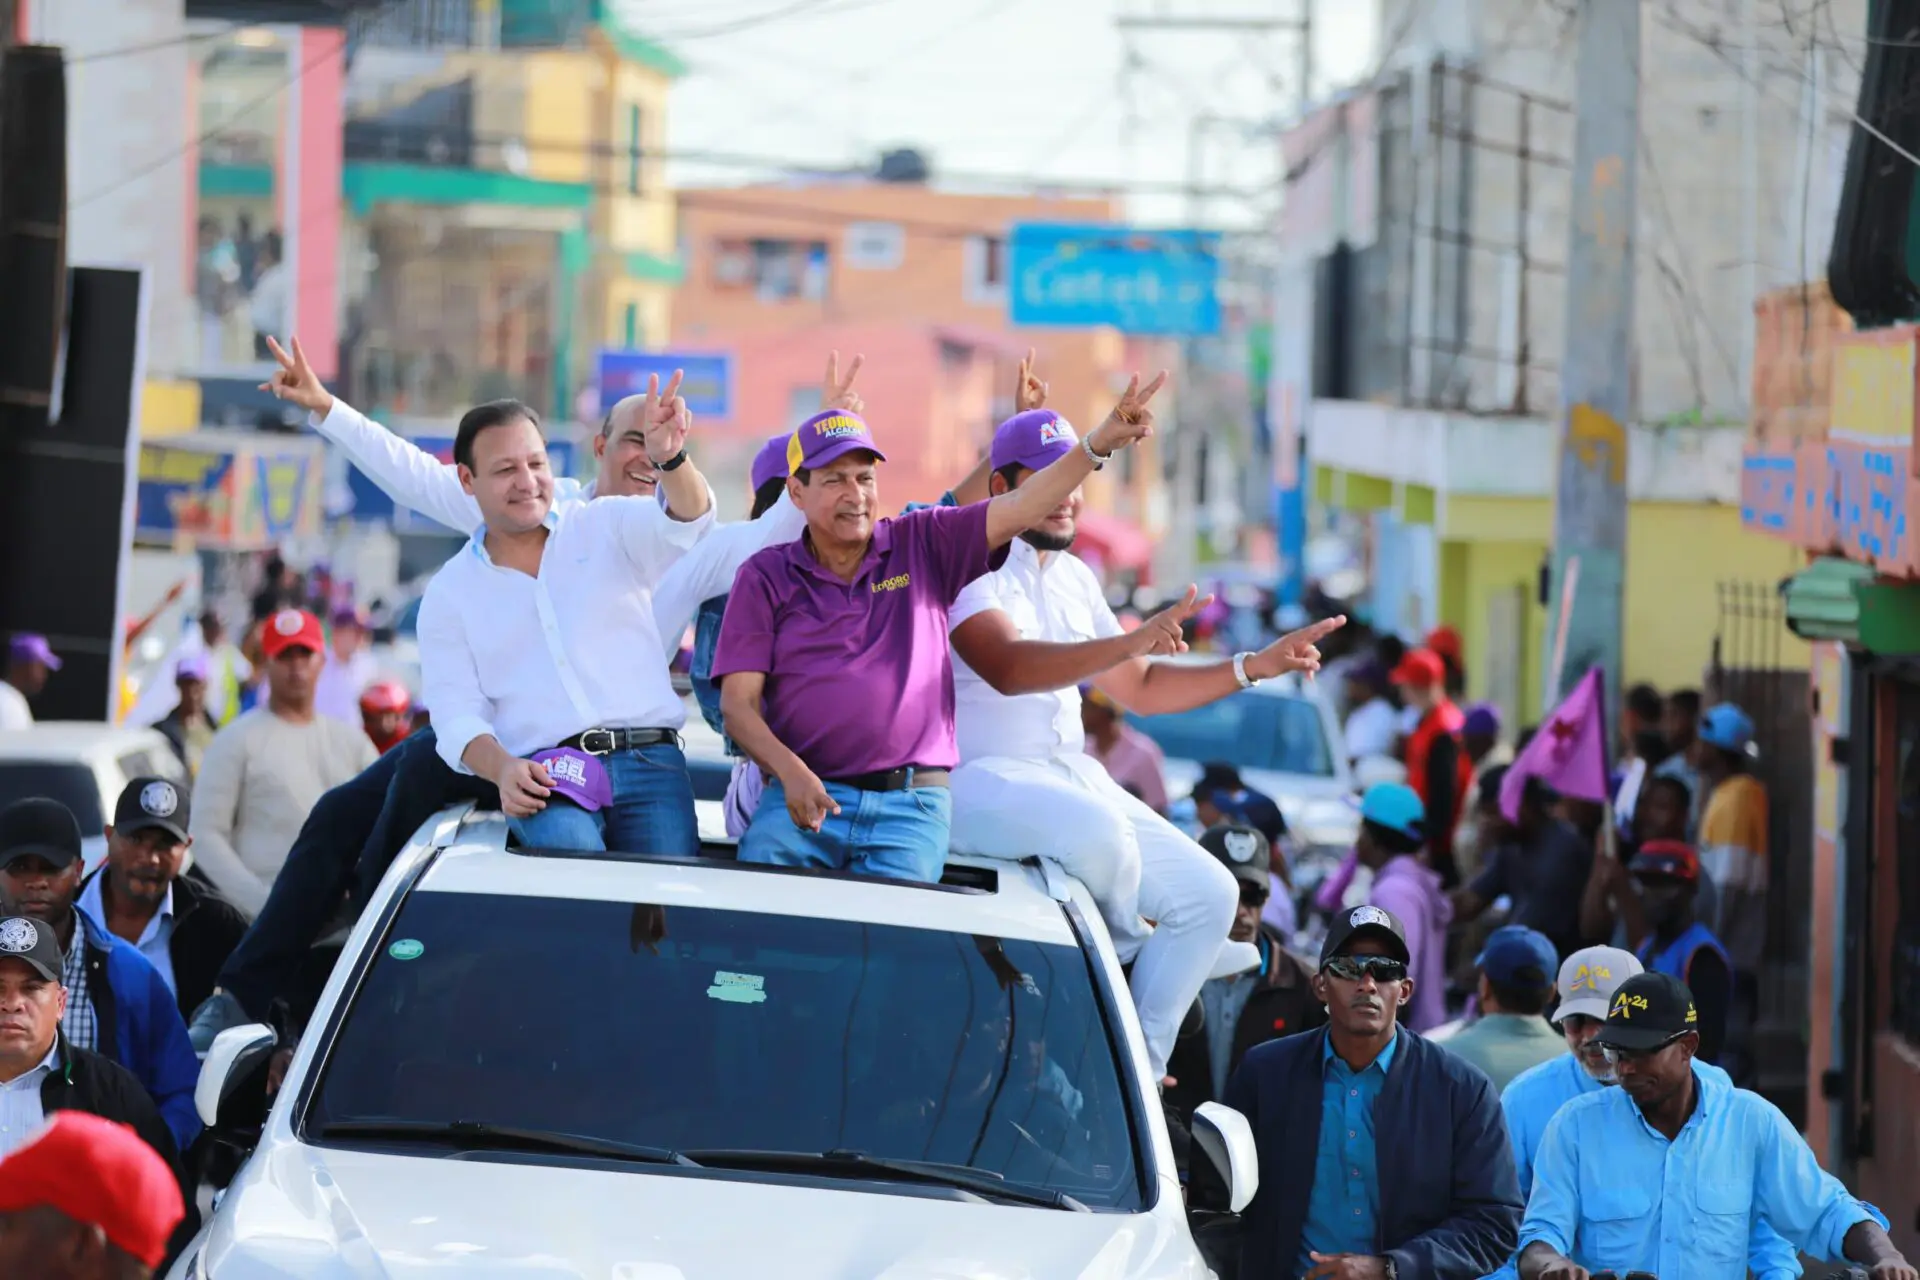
(1235, 958)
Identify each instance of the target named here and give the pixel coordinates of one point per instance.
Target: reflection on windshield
(73, 785)
(1252, 730)
(691, 1028)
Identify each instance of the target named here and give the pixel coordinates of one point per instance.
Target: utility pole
(1596, 372)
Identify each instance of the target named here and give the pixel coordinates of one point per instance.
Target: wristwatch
(677, 461)
(1086, 447)
(1240, 670)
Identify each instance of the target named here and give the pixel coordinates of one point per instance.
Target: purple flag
(1569, 753)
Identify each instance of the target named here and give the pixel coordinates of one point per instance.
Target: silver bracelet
(1240, 671)
(1086, 447)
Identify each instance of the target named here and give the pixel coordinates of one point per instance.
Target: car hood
(316, 1214)
(1319, 811)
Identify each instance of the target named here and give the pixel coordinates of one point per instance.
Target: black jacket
(86, 1081)
(1281, 1004)
(1450, 1203)
(206, 929)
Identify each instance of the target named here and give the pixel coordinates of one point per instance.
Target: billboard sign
(223, 493)
(1085, 275)
(706, 383)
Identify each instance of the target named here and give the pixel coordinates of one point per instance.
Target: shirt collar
(46, 1066)
(800, 552)
(478, 543)
(1383, 1063)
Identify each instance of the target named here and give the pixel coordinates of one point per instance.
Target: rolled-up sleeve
(450, 680)
(982, 595)
(746, 632)
(1553, 1206)
(1799, 1199)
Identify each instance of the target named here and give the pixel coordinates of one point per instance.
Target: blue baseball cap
(1513, 948)
(1726, 726)
(1397, 807)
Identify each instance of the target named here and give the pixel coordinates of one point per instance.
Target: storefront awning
(1113, 543)
(1835, 599)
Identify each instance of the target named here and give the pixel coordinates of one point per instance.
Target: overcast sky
(1004, 87)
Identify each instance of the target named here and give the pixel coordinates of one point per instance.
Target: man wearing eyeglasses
(1666, 1173)
(1409, 1170)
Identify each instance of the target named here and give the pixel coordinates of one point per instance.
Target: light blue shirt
(20, 1113)
(1343, 1212)
(156, 940)
(1610, 1192)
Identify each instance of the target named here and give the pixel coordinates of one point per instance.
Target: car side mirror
(1224, 1139)
(234, 1057)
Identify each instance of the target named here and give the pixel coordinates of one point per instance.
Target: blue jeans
(901, 835)
(652, 810)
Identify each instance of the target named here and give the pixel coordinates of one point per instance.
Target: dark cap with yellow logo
(1647, 1011)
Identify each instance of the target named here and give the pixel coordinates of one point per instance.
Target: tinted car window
(73, 785)
(1251, 730)
(690, 1028)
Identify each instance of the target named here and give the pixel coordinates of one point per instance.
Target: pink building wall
(310, 193)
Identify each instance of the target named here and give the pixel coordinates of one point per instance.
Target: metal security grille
(1749, 670)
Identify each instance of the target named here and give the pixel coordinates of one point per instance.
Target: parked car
(85, 765)
(629, 1066)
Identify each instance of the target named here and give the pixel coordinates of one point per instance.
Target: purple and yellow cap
(771, 462)
(827, 436)
(578, 776)
(1034, 439)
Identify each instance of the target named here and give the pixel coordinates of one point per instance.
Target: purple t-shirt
(859, 676)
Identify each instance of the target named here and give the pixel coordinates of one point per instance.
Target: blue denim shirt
(706, 642)
(1343, 1211)
(1610, 1192)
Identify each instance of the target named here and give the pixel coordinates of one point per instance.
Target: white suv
(648, 1069)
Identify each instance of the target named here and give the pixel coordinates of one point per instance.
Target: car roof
(998, 898)
(74, 740)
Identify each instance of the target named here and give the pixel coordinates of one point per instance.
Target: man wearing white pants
(1024, 638)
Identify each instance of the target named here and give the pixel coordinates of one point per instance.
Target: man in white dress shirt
(1024, 638)
(525, 636)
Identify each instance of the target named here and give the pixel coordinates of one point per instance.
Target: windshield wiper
(858, 1164)
(478, 1136)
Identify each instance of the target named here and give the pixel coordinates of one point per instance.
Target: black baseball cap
(39, 828)
(1648, 1010)
(152, 804)
(1242, 848)
(1355, 921)
(24, 938)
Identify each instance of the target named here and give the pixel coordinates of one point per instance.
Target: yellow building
(1469, 500)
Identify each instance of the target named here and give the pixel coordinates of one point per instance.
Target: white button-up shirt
(21, 1115)
(156, 940)
(1056, 601)
(536, 660)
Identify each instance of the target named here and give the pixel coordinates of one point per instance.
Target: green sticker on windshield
(738, 988)
(407, 949)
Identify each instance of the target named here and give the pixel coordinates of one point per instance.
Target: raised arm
(709, 569)
(987, 641)
(1029, 392)
(666, 420)
(1157, 688)
(1018, 510)
(408, 474)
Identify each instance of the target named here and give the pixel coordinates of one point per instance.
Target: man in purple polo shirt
(834, 666)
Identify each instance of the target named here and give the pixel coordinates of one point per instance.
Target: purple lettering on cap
(578, 776)
(1035, 439)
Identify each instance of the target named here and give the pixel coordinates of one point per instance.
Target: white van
(537, 1064)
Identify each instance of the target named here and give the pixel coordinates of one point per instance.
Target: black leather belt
(604, 742)
(900, 779)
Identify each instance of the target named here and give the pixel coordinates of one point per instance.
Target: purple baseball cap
(1034, 439)
(193, 666)
(578, 776)
(829, 435)
(32, 648)
(1482, 717)
(771, 462)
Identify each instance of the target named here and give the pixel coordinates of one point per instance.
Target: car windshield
(692, 1028)
(1277, 733)
(72, 784)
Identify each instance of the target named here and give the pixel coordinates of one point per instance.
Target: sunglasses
(1354, 968)
(1252, 895)
(1617, 1056)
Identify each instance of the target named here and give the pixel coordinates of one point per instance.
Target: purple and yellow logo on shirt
(895, 583)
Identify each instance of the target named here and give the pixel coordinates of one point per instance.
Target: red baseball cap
(1668, 859)
(292, 629)
(99, 1173)
(1445, 641)
(1420, 667)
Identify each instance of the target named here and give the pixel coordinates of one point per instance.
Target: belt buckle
(591, 737)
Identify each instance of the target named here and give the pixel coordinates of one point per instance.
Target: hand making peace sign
(838, 393)
(295, 380)
(665, 419)
(1131, 420)
(1029, 392)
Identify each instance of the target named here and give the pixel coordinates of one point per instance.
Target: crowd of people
(951, 679)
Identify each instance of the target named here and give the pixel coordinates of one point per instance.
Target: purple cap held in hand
(771, 462)
(32, 648)
(578, 776)
(827, 436)
(1034, 439)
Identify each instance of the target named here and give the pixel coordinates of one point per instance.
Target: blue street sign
(707, 384)
(1076, 276)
